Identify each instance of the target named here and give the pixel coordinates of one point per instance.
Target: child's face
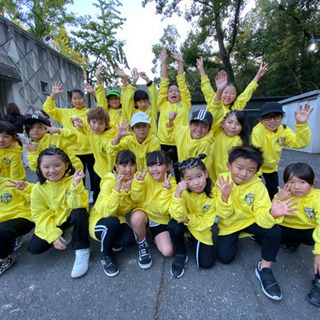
(141, 131)
(37, 131)
(77, 100)
(98, 126)
(231, 126)
(158, 171)
(5, 140)
(114, 102)
(229, 94)
(272, 121)
(242, 170)
(198, 129)
(173, 95)
(196, 179)
(127, 170)
(298, 187)
(142, 104)
(53, 168)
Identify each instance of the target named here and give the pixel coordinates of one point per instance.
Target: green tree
(96, 40)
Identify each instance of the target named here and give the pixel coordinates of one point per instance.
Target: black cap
(203, 116)
(35, 118)
(269, 107)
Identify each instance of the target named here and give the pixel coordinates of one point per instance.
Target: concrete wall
(28, 67)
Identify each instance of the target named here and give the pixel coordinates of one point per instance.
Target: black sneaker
(145, 261)
(17, 244)
(109, 266)
(5, 265)
(314, 294)
(116, 247)
(291, 248)
(269, 284)
(177, 268)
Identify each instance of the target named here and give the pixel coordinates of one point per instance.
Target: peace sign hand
(30, 147)
(167, 183)
(119, 181)
(141, 175)
(20, 185)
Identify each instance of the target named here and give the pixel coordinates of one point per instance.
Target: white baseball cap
(139, 117)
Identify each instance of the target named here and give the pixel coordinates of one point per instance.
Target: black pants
(173, 154)
(9, 231)
(272, 183)
(109, 231)
(269, 239)
(80, 233)
(205, 254)
(96, 186)
(88, 163)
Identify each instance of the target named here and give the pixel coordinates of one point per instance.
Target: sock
(142, 242)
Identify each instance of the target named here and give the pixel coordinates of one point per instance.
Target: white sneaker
(91, 201)
(81, 263)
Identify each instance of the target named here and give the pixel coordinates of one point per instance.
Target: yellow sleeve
(245, 96)
(207, 90)
(201, 222)
(17, 171)
(153, 92)
(297, 140)
(184, 91)
(171, 133)
(33, 160)
(137, 190)
(166, 197)
(163, 93)
(128, 102)
(178, 209)
(53, 111)
(79, 196)
(223, 210)
(216, 109)
(316, 232)
(101, 97)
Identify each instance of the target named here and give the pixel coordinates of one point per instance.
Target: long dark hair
(242, 119)
(51, 152)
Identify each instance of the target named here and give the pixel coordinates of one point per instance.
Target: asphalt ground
(40, 286)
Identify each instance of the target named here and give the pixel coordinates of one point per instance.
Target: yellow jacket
(11, 164)
(199, 209)
(165, 107)
(248, 203)
(52, 203)
(239, 104)
(272, 143)
(307, 216)
(64, 141)
(110, 203)
(151, 143)
(104, 163)
(152, 198)
(64, 117)
(116, 115)
(129, 108)
(14, 203)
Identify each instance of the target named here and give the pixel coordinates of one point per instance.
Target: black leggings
(205, 254)
(88, 163)
(109, 231)
(9, 231)
(272, 183)
(80, 233)
(269, 239)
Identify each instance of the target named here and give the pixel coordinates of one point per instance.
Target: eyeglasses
(275, 117)
(173, 90)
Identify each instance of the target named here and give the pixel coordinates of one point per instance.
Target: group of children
(130, 159)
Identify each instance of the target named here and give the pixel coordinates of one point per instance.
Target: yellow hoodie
(151, 143)
(307, 216)
(110, 203)
(129, 108)
(64, 117)
(116, 115)
(11, 164)
(152, 198)
(64, 141)
(272, 143)
(248, 203)
(52, 203)
(165, 107)
(199, 209)
(239, 104)
(14, 203)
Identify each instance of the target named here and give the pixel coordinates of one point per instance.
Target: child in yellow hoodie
(107, 222)
(15, 217)
(153, 202)
(248, 209)
(59, 201)
(10, 153)
(304, 227)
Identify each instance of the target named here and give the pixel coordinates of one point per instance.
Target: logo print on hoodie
(205, 208)
(249, 198)
(6, 198)
(309, 213)
(281, 141)
(7, 160)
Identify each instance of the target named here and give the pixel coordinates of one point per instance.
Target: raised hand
(143, 75)
(182, 185)
(122, 128)
(177, 56)
(56, 89)
(119, 181)
(141, 175)
(303, 114)
(284, 193)
(77, 123)
(135, 76)
(262, 69)
(88, 88)
(99, 71)
(285, 208)
(164, 56)
(172, 115)
(121, 73)
(167, 183)
(200, 66)
(31, 147)
(221, 80)
(20, 185)
(52, 129)
(77, 177)
(127, 186)
(225, 188)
